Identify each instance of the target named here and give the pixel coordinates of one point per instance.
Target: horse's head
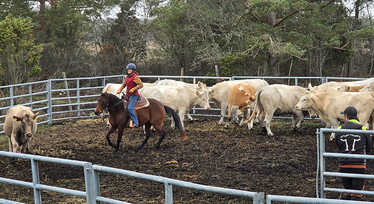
(102, 103)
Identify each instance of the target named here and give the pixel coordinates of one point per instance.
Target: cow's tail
(177, 120)
(258, 104)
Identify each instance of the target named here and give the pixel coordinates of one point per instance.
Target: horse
(152, 115)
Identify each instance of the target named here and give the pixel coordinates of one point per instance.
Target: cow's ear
(197, 93)
(310, 86)
(36, 115)
(199, 84)
(211, 91)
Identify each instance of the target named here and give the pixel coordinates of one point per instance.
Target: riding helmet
(131, 66)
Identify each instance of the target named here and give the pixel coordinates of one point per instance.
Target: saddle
(142, 102)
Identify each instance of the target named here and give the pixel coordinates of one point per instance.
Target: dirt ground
(283, 164)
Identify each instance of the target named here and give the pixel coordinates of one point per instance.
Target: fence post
(30, 93)
(36, 181)
(67, 91)
(89, 183)
(11, 96)
(168, 193)
(259, 198)
(322, 162)
(49, 97)
(78, 100)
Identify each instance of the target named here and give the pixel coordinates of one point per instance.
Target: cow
(346, 88)
(278, 99)
(240, 98)
(179, 98)
(329, 105)
(334, 86)
(199, 86)
(20, 125)
(369, 87)
(219, 93)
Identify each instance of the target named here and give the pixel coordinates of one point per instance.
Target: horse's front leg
(119, 138)
(111, 130)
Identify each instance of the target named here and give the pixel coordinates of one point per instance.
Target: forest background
(40, 39)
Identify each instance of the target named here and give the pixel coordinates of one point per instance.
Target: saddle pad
(142, 102)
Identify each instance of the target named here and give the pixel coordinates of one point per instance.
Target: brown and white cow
(180, 98)
(329, 105)
(346, 88)
(219, 93)
(240, 98)
(20, 125)
(278, 99)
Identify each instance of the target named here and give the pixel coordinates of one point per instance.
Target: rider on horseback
(133, 82)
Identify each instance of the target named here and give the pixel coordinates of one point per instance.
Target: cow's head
(203, 99)
(27, 122)
(305, 101)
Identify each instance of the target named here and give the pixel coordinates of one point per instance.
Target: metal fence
(322, 154)
(92, 182)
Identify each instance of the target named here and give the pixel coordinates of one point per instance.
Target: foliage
(19, 56)
(125, 40)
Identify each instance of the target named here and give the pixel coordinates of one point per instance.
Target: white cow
(329, 105)
(278, 99)
(179, 98)
(199, 86)
(334, 86)
(219, 93)
(369, 87)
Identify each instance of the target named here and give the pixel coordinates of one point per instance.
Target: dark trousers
(353, 183)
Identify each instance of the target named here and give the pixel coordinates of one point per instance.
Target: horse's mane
(111, 97)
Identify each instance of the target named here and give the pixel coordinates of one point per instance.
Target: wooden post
(217, 73)
(67, 91)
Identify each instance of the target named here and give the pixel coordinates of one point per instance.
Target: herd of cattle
(255, 99)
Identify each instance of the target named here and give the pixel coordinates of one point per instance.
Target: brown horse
(153, 115)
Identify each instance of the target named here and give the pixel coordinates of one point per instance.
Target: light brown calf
(240, 98)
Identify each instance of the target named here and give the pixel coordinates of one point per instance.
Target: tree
(125, 40)
(19, 56)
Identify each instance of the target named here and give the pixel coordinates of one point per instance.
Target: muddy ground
(284, 164)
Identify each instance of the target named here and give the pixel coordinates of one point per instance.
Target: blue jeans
(132, 101)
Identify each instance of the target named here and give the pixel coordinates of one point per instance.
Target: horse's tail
(177, 120)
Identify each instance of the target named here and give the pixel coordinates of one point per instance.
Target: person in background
(352, 144)
(133, 83)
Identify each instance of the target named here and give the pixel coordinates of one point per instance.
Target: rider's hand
(119, 91)
(131, 91)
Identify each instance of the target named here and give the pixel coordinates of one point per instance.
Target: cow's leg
(229, 116)
(334, 125)
(295, 115)
(189, 116)
(10, 145)
(14, 143)
(223, 113)
(267, 120)
(247, 114)
(147, 135)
